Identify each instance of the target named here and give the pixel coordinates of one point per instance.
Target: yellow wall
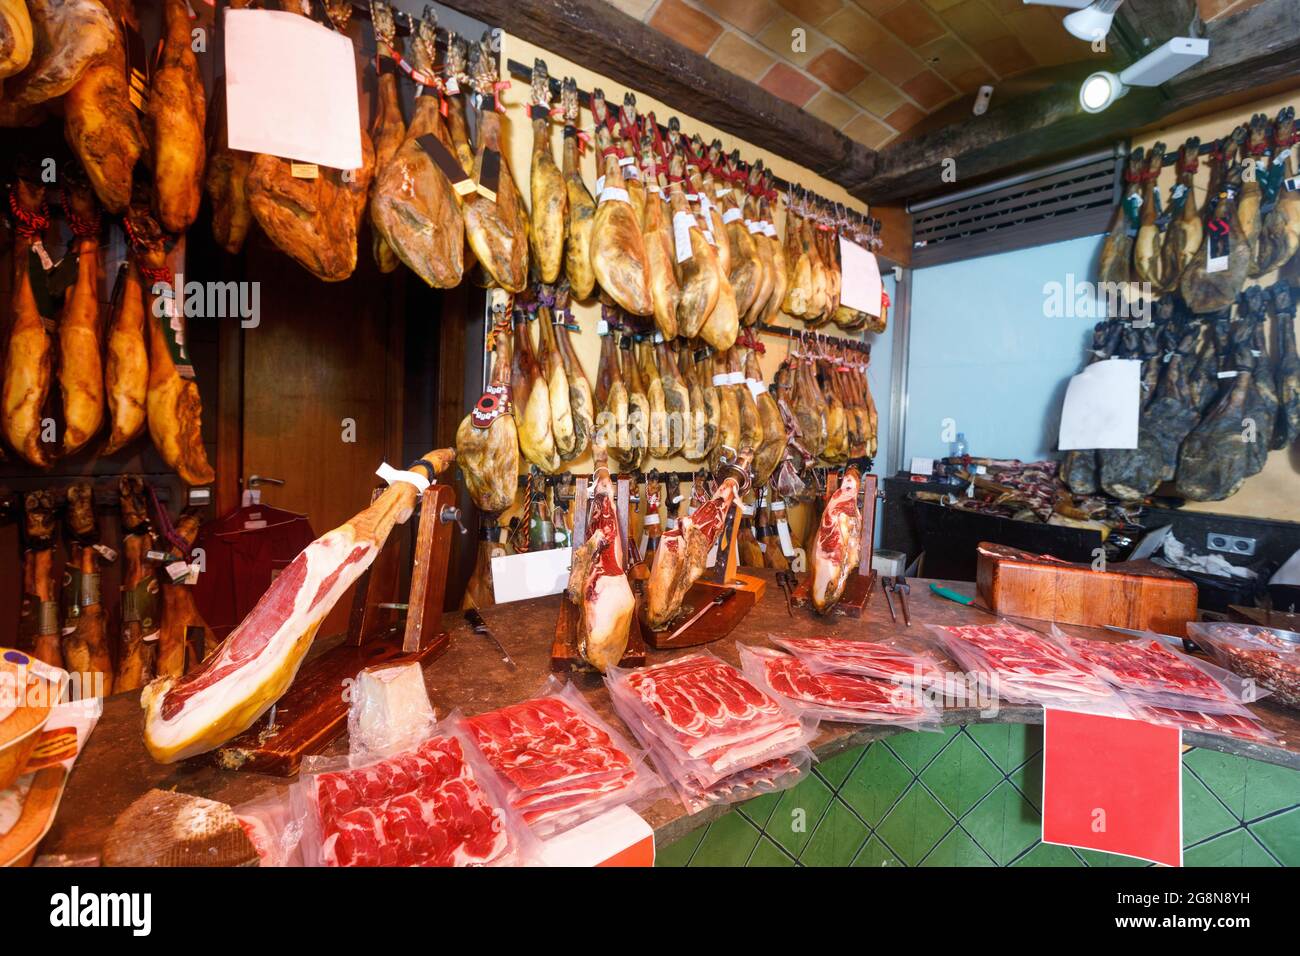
(1275, 491)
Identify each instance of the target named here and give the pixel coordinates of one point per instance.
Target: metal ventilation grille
(1068, 200)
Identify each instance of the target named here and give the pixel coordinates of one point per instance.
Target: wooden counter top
(470, 677)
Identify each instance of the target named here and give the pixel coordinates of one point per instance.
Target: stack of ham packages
(1162, 686)
(891, 660)
(1027, 667)
(843, 696)
(713, 735)
(436, 804)
(558, 763)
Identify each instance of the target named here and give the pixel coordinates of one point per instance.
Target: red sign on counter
(1113, 785)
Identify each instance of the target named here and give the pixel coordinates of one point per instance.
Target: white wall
(984, 353)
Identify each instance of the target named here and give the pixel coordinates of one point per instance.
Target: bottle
(959, 448)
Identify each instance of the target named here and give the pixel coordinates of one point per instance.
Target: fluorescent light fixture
(1159, 66)
(1093, 21)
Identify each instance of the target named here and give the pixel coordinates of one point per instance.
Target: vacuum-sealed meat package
(558, 762)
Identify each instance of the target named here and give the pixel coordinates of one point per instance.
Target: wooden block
(1134, 594)
(718, 621)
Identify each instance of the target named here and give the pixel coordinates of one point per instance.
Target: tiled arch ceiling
(871, 68)
(875, 69)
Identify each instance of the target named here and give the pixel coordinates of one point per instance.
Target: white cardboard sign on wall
(1101, 406)
(517, 577)
(861, 273)
(291, 89)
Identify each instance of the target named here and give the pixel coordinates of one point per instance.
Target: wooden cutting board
(1134, 594)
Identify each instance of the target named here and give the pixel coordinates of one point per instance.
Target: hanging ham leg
(102, 126)
(38, 621)
(15, 37)
(388, 130)
(618, 254)
(85, 643)
(1147, 244)
(28, 357)
(547, 191)
(414, 208)
(487, 441)
(598, 582)
(1206, 291)
(456, 79)
(677, 399)
(181, 625)
(768, 453)
(555, 377)
(1116, 263)
(256, 664)
(638, 407)
(581, 207)
(531, 400)
(839, 537)
(497, 227)
(81, 373)
(174, 409)
(1279, 236)
(140, 612)
(658, 237)
(126, 370)
(176, 117)
(684, 550)
(582, 403)
(66, 37)
(1183, 237)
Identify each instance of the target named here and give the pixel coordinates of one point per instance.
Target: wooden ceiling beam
(1253, 48)
(634, 54)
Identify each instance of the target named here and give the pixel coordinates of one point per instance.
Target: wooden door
(322, 385)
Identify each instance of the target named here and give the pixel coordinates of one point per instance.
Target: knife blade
(479, 626)
(722, 598)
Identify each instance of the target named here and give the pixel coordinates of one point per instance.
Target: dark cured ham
(257, 662)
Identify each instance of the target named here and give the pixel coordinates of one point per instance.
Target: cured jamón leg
(38, 622)
(140, 611)
(85, 641)
(28, 358)
(183, 638)
(81, 371)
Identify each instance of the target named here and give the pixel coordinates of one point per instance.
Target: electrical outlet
(1230, 544)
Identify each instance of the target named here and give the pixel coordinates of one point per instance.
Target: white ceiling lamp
(1093, 21)
(1159, 66)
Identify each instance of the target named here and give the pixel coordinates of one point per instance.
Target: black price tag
(446, 161)
(489, 179)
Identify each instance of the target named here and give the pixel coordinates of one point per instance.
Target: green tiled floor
(971, 797)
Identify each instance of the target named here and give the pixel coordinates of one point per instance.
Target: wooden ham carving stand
(564, 648)
(858, 588)
(315, 708)
(717, 620)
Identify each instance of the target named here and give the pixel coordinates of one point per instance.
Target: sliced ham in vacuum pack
(851, 698)
(558, 762)
(885, 660)
(1028, 667)
(1242, 724)
(1149, 671)
(706, 716)
(1268, 656)
(434, 805)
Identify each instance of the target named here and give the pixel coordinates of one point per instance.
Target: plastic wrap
(850, 698)
(778, 772)
(273, 829)
(1028, 667)
(705, 717)
(1268, 656)
(388, 711)
(1243, 724)
(1148, 671)
(885, 660)
(435, 805)
(560, 764)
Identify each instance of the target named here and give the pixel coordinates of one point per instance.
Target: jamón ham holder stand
(858, 588)
(722, 596)
(315, 708)
(564, 648)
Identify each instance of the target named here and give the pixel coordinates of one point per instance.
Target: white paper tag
(626, 161)
(731, 215)
(46, 262)
(105, 552)
(391, 474)
(722, 378)
(769, 230)
(517, 577)
(652, 518)
(756, 388)
(178, 571)
(452, 85)
(783, 532)
(736, 378)
(614, 194)
(1232, 374)
(754, 226)
(1214, 263)
(600, 185)
(682, 225)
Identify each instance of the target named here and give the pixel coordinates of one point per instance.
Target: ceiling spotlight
(1093, 22)
(1159, 66)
